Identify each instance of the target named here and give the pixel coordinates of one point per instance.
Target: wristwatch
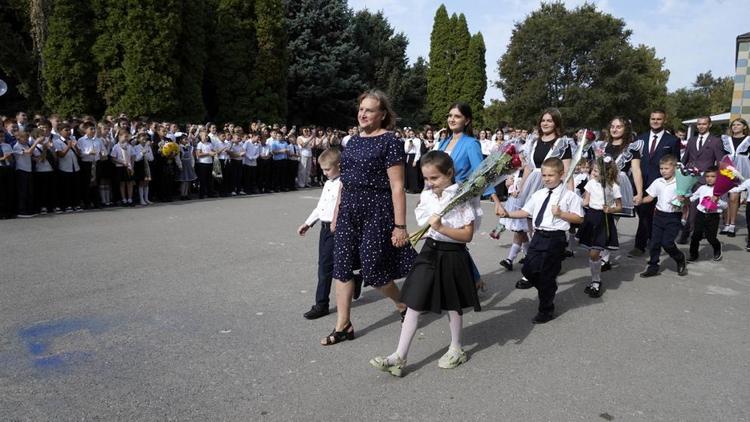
(400, 226)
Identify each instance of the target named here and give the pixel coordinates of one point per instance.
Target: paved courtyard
(193, 311)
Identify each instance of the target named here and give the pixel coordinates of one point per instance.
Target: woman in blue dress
(370, 222)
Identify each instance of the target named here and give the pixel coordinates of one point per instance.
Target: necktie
(653, 145)
(700, 142)
(540, 214)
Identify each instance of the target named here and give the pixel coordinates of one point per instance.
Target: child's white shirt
(458, 217)
(664, 192)
(326, 204)
(596, 194)
(703, 192)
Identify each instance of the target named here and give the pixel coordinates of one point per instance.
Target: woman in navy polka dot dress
(370, 224)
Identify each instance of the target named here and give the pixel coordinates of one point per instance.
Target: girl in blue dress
(370, 222)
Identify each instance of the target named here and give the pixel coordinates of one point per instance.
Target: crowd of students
(51, 165)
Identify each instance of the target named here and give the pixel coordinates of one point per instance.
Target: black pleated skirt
(441, 279)
(598, 231)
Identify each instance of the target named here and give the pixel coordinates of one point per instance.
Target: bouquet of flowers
(686, 177)
(170, 149)
(583, 145)
(727, 178)
(490, 172)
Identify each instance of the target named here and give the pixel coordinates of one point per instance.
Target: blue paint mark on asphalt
(39, 338)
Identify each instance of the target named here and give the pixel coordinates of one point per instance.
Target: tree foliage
(413, 105)
(323, 80)
(440, 64)
(707, 96)
(580, 61)
(474, 84)
(271, 64)
(18, 66)
(67, 62)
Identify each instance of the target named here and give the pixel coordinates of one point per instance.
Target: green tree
(323, 80)
(383, 63)
(459, 60)
(474, 84)
(707, 96)
(413, 105)
(440, 65)
(582, 62)
(67, 61)
(496, 115)
(18, 65)
(271, 65)
(191, 56)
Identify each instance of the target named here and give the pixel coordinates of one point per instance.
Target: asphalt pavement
(193, 311)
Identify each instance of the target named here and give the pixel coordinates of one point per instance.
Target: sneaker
(718, 254)
(452, 358)
(507, 264)
(396, 368)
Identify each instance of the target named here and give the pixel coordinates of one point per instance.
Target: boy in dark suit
(656, 144)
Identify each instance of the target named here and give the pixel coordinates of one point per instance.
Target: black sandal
(339, 336)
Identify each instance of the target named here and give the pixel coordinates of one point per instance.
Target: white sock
(514, 250)
(145, 194)
(604, 255)
(525, 247)
(408, 329)
(596, 270)
(140, 195)
(455, 321)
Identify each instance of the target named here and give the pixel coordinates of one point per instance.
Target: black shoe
(747, 247)
(718, 253)
(507, 264)
(635, 252)
(731, 234)
(650, 272)
(357, 286)
(522, 260)
(543, 317)
(606, 266)
(569, 253)
(523, 284)
(316, 312)
(594, 289)
(692, 258)
(681, 268)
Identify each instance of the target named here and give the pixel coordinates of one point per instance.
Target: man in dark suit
(656, 143)
(703, 151)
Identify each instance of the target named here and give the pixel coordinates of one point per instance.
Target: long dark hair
(464, 109)
(556, 119)
(627, 136)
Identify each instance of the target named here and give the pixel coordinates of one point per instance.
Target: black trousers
(278, 174)
(325, 265)
(706, 226)
(234, 168)
(645, 222)
(265, 174)
(44, 189)
(250, 178)
(412, 174)
(666, 227)
(25, 192)
(226, 179)
(205, 179)
(88, 195)
(292, 166)
(543, 264)
(67, 189)
(7, 192)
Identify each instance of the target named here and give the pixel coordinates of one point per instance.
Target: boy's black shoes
(718, 254)
(681, 268)
(650, 272)
(523, 284)
(543, 317)
(316, 312)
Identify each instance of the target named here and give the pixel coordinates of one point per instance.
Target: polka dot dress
(365, 221)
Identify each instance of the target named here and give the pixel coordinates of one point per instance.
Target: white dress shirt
(570, 202)
(86, 146)
(205, 147)
(252, 151)
(458, 217)
(664, 192)
(703, 192)
(326, 204)
(596, 194)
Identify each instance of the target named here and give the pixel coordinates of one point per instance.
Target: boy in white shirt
(329, 162)
(552, 209)
(667, 218)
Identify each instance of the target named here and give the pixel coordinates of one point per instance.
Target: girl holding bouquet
(441, 278)
(602, 199)
(737, 147)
